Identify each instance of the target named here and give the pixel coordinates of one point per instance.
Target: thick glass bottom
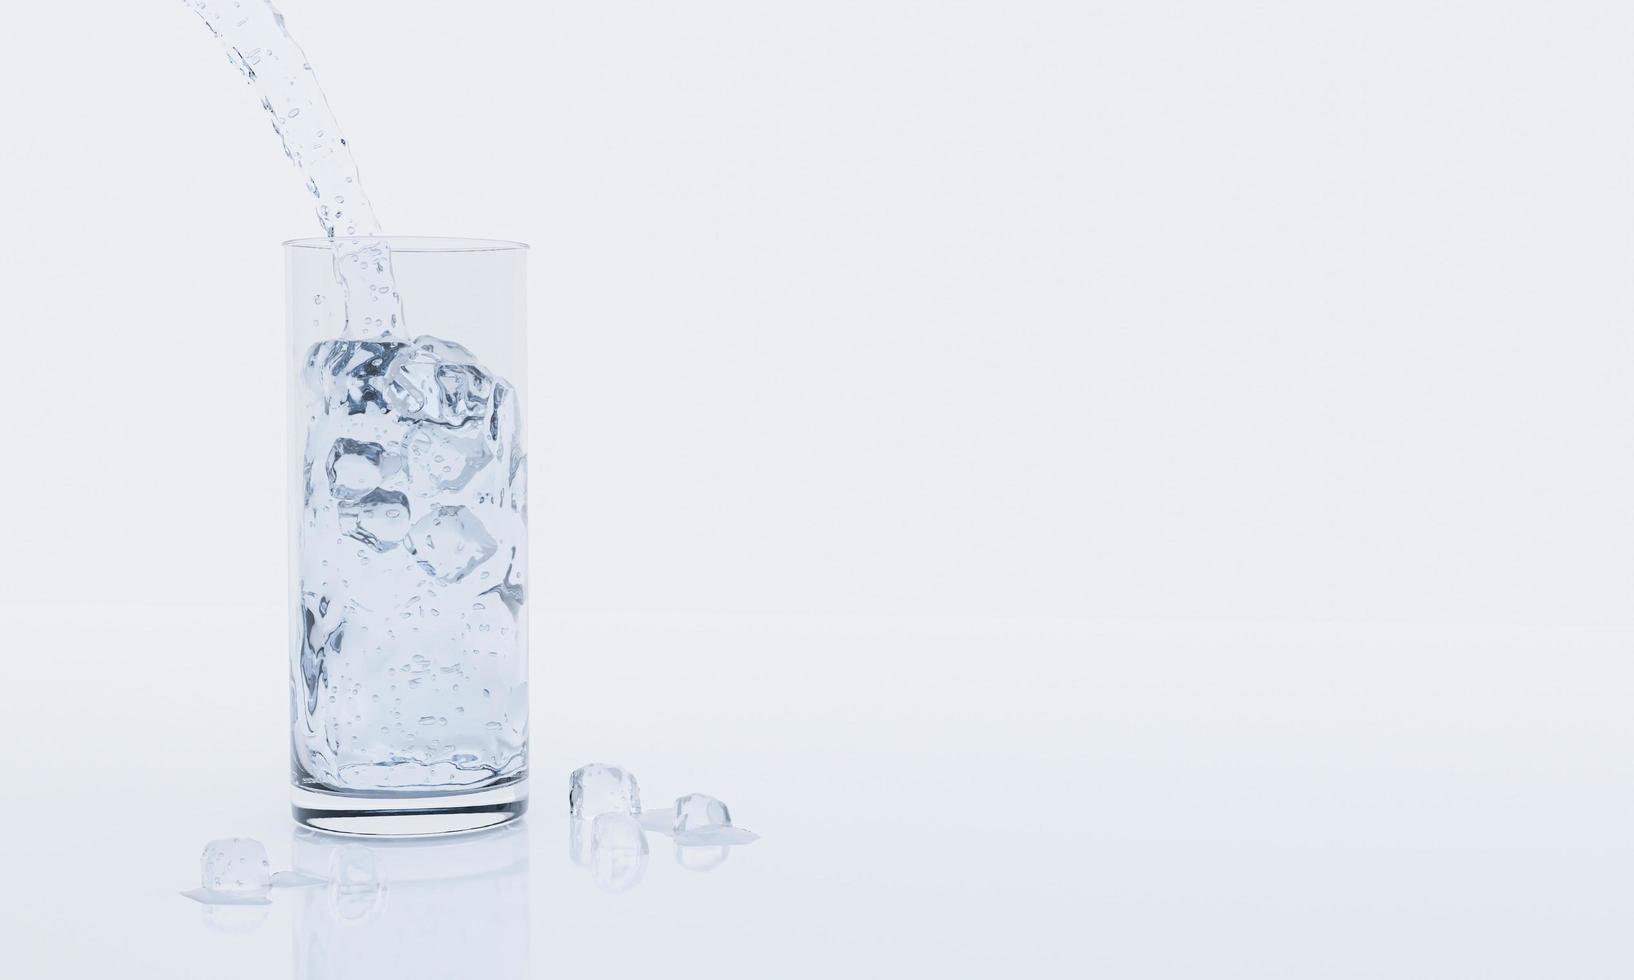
(409, 816)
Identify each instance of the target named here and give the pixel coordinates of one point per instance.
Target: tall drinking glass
(408, 540)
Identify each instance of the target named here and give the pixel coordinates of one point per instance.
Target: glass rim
(415, 243)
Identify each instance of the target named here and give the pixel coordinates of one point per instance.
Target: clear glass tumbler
(409, 544)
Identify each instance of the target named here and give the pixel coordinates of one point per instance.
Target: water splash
(412, 464)
(260, 46)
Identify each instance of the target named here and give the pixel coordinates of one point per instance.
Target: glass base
(409, 816)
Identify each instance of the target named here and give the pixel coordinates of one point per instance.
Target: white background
(1017, 411)
(1177, 310)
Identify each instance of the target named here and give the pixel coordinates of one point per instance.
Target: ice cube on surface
(698, 819)
(698, 811)
(598, 788)
(355, 468)
(380, 518)
(441, 459)
(449, 542)
(618, 851)
(235, 866)
(438, 381)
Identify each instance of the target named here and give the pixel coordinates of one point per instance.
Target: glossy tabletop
(934, 798)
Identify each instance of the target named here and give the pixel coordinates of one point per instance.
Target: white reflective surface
(935, 798)
(450, 907)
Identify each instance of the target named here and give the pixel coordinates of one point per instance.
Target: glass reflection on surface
(431, 907)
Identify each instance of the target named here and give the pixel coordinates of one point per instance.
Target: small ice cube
(355, 468)
(702, 820)
(697, 812)
(236, 866)
(380, 518)
(348, 374)
(618, 851)
(441, 459)
(450, 542)
(596, 789)
(437, 381)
